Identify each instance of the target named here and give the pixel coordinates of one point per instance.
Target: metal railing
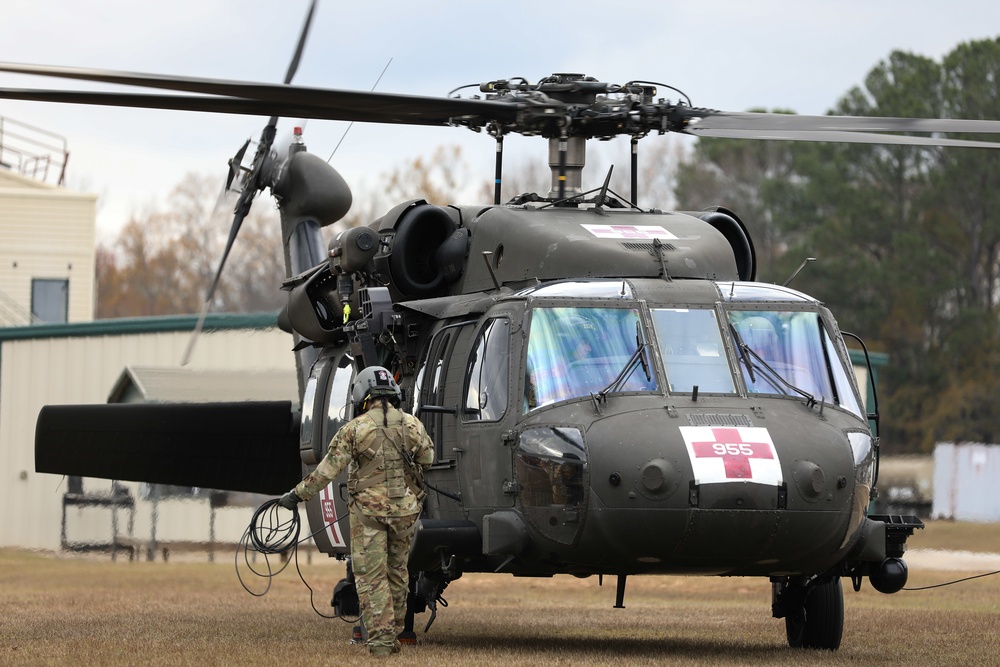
(33, 152)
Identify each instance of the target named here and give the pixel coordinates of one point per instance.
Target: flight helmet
(372, 382)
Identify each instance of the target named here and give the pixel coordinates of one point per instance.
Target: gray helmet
(374, 381)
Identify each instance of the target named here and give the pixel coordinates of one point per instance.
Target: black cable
(269, 534)
(949, 583)
(267, 538)
(274, 536)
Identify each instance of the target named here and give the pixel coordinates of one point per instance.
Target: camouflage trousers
(380, 548)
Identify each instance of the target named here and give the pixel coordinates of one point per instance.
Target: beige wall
(83, 369)
(45, 232)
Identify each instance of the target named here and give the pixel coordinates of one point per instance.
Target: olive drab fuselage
(702, 466)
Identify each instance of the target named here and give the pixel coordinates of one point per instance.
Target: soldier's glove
(289, 500)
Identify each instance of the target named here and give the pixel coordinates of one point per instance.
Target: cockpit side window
(488, 374)
(841, 380)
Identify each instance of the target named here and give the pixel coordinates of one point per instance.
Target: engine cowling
(730, 226)
(423, 250)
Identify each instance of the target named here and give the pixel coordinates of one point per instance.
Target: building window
(49, 299)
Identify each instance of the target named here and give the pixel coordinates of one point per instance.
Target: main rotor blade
(839, 137)
(280, 99)
(727, 120)
(239, 97)
(398, 109)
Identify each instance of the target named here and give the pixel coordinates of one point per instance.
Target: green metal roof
(142, 325)
(877, 358)
(170, 384)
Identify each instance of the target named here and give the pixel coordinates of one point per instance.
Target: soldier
(387, 451)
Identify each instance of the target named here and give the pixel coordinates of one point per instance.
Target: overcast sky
(725, 54)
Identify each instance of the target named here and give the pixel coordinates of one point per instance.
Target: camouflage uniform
(385, 501)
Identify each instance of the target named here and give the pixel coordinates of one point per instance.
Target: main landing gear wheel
(819, 621)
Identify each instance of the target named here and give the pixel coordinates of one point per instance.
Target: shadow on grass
(622, 649)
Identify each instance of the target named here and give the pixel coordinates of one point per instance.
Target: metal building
(109, 360)
(965, 477)
(47, 235)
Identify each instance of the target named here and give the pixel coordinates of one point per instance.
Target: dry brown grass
(957, 535)
(71, 611)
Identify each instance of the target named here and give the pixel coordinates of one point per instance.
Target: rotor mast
(567, 158)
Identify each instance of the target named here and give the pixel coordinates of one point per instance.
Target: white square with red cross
(630, 232)
(732, 454)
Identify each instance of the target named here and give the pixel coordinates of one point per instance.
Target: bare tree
(163, 262)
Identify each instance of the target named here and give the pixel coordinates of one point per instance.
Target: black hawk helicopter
(609, 390)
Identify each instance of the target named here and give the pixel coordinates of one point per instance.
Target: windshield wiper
(774, 377)
(743, 348)
(642, 357)
(623, 376)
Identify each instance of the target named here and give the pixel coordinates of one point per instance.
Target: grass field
(58, 610)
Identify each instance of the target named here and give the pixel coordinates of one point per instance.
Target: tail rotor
(259, 175)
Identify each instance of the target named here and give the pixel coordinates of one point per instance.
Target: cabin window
(488, 373)
(574, 352)
(339, 408)
(306, 429)
(429, 388)
(690, 343)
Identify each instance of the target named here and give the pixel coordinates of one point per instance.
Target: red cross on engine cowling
(734, 452)
(625, 231)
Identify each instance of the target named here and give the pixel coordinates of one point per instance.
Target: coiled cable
(270, 533)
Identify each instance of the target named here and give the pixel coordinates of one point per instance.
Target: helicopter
(609, 389)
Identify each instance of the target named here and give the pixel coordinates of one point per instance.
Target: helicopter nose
(719, 498)
(655, 468)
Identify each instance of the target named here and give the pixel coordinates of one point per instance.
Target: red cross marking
(629, 232)
(734, 452)
(623, 231)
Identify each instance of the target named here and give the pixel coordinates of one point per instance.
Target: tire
(820, 621)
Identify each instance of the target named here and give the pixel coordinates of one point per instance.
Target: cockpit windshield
(789, 353)
(781, 348)
(574, 352)
(690, 342)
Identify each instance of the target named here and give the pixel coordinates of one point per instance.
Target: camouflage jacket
(379, 489)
